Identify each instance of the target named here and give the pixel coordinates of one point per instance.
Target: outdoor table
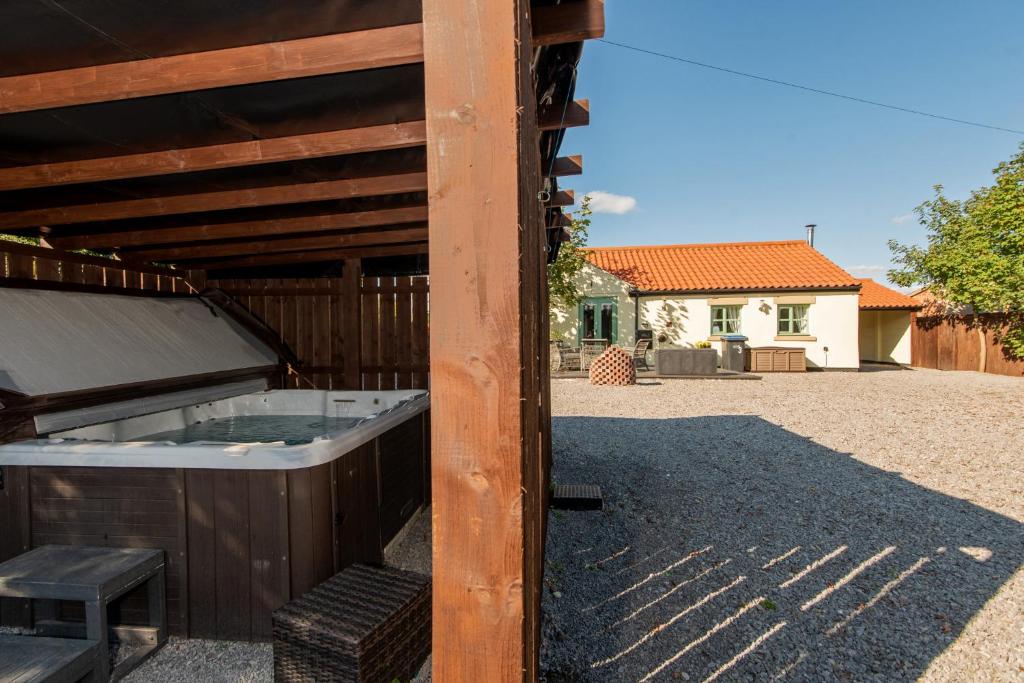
(96, 577)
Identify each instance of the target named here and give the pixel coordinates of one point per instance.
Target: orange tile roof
(722, 267)
(876, 296)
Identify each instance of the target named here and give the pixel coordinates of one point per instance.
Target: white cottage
(784, 294)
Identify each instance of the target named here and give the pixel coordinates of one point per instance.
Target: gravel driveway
(816, 527)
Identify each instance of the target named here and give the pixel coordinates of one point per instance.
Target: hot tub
(267, 430)
(255, 498)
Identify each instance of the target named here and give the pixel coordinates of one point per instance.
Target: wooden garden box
(777, 359)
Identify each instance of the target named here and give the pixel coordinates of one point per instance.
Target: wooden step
(31, 659)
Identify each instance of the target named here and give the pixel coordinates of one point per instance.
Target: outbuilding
(781, 294)
(886, 317)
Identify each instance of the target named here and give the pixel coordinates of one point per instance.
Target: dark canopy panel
(91, 32)
(264, 145)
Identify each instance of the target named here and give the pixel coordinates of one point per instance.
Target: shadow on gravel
(732, 549)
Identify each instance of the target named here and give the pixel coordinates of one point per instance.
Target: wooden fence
(27, 262)
(347, 332)
(966, 343)
(376, 337)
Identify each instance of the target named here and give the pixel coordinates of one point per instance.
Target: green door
(599, 319)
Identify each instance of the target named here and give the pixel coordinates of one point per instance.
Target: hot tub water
(293, 430)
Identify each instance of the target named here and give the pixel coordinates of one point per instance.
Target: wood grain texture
(316, 256)
(229, 155)
(305, 57)
(482, 151)
(568, 22)
(16, 535)
(410, 233)
(576, 114)
(351, 311)
(215, 201)
(567, 166)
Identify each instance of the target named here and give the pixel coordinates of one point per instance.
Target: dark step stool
(95, 576)
(31, 659)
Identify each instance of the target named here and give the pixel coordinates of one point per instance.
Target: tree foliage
(563, 273)
(975, 251)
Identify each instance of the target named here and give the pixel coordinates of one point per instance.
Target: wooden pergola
(230, 141)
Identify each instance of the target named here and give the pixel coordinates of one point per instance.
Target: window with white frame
(793, 319)
(725, 319)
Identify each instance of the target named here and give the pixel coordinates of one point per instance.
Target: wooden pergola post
(486, 263)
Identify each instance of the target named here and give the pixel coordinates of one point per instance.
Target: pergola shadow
(732, 548)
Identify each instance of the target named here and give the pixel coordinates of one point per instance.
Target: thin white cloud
(900, 220)
(607, 202)
(874, 272)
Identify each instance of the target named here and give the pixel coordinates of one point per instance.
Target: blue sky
(712, 157)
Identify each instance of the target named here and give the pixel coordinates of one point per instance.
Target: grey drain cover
(576, 497)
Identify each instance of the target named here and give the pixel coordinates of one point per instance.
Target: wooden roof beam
(561, 220)
(216, 201)
(414, 233)
(563, 198)
(568, 22)
(230, 155)
(316, 56)
(566, 166)
(576, 114)
(315, 256)
(258, 228)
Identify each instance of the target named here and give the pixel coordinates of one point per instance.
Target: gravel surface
(848, 526)
(213, 661)
(816, 527)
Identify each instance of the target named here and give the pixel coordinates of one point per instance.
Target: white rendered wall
(885, 336)
(832, 319)
(594, 282)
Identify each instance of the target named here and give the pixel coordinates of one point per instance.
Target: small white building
(783, 294)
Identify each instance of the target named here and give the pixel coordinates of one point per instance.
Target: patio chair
(564, 358)
(640, 353)
(591, 349)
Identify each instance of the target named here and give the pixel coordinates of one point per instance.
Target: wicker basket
(366, 624)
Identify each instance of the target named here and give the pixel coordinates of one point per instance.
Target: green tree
(975, 251)
(562, 274)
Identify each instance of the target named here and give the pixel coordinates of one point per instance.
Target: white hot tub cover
(59, 341)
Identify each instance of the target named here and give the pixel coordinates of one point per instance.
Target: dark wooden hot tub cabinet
(239, 543)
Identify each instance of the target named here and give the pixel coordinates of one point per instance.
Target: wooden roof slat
(321, 55)
(576, 114)
(215, 201)
(566, 166)
(256, 228)
(568, 22)
(315, 256)
(201, 251)
(316, 56)
(563, 198)
(560, 220)
(271, 150)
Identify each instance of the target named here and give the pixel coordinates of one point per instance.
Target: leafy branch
(975, 251)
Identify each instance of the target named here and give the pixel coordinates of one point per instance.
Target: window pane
(793, 319)
(800, 319)
(588, 321)
(732, 314)
(725, 319)
(784, 316)
(606, 322)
